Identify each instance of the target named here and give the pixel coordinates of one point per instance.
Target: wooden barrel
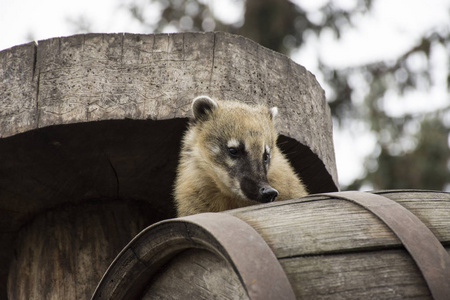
(349, 245)
(90, 131)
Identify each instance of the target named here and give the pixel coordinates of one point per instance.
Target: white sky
(391, 28)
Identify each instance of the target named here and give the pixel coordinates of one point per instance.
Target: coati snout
(268, 194)
(263, 193)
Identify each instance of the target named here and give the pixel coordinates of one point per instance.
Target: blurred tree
(425, 167)
(402, 158)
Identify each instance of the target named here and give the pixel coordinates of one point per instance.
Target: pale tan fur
(203, 185)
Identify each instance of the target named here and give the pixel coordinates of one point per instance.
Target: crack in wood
(115, 175)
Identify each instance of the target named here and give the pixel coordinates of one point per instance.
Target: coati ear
(273, 112)
(201, 106)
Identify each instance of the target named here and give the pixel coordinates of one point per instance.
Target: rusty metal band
(426, 250)
(234, 240)
(257, 266)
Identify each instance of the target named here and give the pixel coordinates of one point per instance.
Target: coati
(229, 159)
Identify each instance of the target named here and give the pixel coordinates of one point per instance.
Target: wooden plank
(18, 90)
(383, 274)
(423, 246)
(315, 225)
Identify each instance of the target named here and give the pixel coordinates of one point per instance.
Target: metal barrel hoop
(426, 250)
(229, 237)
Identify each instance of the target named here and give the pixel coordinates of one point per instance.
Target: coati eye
(233, 151)
(266, 157)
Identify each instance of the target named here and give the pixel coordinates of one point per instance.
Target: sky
(390, 29)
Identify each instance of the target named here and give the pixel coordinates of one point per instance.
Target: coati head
(235, 143)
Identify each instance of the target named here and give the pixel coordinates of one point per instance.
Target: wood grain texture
(63, 253)
(382, 274)
(95, 77)
(196, 274)
(18, 90)
(328, 248)
(100, 116)
(316, 225)
(334, 249)
(149, 257)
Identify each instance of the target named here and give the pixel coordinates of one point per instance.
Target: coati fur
(229, 159)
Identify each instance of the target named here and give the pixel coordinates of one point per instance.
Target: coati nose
(268, 194)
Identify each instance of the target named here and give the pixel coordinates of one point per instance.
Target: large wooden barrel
(347, 245)
(90, 131)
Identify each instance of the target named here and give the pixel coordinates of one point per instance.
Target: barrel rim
(222, 234)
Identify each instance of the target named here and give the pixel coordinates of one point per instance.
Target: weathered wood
(63, 253)
(422, 245)
(382, 274)
(100, 116)
(211, 275)
(328, 248)
(116, 76)
(153, 249)
(317, 225)
(18, 90)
